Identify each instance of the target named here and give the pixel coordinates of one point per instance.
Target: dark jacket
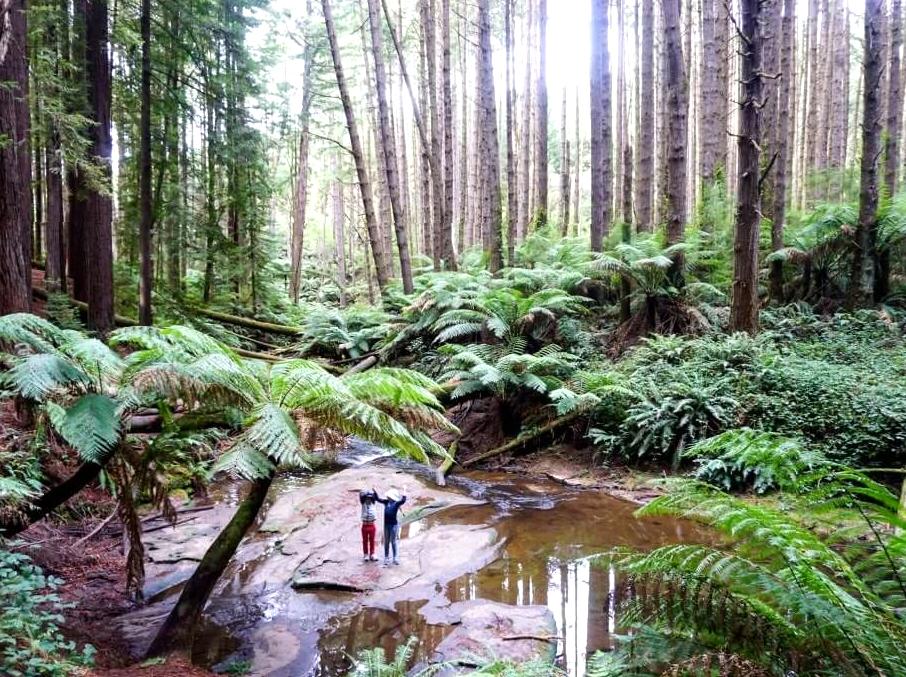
(391, 509)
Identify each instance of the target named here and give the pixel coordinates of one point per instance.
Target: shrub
(31, 643)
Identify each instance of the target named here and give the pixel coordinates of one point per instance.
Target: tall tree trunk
(179, 627)
(98, 206)
(601, 170)
(489, 144)
(644, 196)
(146, 232)
(864, 258)
(894, 100)
(525, 190)
(15, 175)
(300, 191)
(511, 183)
(676, 134)
(447, 250)
(388, 145)
(744, 302)
(339, 234)
(428, 15)
(425, 157)
(785, 120)
(711, 127)
(577, 186)
(564, 172)
(355, 142)
(539, 218)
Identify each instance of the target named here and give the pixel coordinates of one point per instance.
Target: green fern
(779, 594)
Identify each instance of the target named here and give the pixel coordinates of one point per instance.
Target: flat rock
(485, 629)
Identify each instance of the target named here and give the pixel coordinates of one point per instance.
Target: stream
(546, 537)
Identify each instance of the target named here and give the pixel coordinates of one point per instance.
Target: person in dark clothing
(369, 528)
(392, 504)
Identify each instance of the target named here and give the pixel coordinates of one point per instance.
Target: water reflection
(581, 595)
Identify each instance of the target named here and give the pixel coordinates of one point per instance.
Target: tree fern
(779, 594)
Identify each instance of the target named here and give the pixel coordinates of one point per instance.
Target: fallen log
(525, 442)
(365, 364)
(119, 320)
(249, 323)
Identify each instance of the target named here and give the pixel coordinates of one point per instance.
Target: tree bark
(525, 193)
(98, 205)
(785, 119)
(447, 250)
(388, 145)
(744, 302)
(577, 186)
(644, 194)
(540, 217)
(146, 232)
(676, 134)
(179, 627)
(894, 100)
(601, 169)
(711, 127)
(564, 172)
(511, 183)
(864, 256)
(15, 162)
(489, 143)
(355, 142)
(300, 194)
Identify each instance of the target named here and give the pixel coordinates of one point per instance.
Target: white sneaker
(396, 562)
(365, 558)
(386, 562)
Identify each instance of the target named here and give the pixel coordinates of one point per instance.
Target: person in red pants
(369, 527)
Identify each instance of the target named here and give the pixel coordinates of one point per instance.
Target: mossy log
(248, 323)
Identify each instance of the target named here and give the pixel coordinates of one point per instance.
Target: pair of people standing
(391, 503)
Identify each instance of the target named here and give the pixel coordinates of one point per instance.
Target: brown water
(550, 535)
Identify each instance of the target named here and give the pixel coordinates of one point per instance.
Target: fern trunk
(52, 499)
(176, 633)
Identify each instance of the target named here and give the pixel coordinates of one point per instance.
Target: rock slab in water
(490, 630)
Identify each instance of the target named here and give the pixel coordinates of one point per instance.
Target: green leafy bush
(31, 644)
(745, 458)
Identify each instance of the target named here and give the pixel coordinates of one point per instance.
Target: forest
(610, 293)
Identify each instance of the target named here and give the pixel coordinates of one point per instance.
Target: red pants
(368, 533)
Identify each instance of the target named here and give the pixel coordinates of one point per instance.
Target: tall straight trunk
(525, 164)
(55, 260)
(15, 176)
(676, 134)
(894, 100)
(564, 172)
(578, 171)
(425, 157)
(37, 253)
(377, 251)
(447, 250)
(539, 219)
(177, 631)
(511, 184)
(339, 235)
(864, 257)
(839, 98)
(770, 41)
(619, 140)
(146, 234)
(626, 230)
(489, 144)
(744, 302)
(300, 190)
(813, 107)
(98, 206)
(464, 164)
(76, 251)
(428, 14)
(601, 169)
(711, 131)
(644, 184)
(785, 120)
(388, 145)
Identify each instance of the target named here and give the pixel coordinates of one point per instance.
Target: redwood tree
(744, 302)
(864, 256)
(676, 101)
(15, 175)
(601, 165)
